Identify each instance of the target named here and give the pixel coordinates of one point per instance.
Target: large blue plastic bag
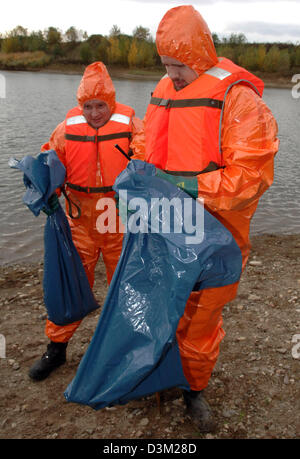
(67, 293)
(134, 352)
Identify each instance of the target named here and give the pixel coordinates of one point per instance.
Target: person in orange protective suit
(85, 143)
(207, 128)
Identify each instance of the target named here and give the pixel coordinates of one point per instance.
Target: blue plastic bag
(134, 351)
(67, 293)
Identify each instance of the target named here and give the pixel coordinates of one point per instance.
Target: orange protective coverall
(238, 136)
(92, 164)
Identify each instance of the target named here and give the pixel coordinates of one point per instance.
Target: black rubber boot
(53, 358)
(199, 410)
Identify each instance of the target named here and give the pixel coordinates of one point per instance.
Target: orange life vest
(92, 161)
(183, 128)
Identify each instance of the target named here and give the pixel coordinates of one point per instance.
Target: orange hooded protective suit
(218, 129)
(92, 164)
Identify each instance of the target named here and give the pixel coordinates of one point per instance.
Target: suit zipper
(98, 164)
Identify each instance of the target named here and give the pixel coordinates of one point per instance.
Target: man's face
(180, 74)
(96, 112)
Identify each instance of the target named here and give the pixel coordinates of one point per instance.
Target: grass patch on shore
(27, 60)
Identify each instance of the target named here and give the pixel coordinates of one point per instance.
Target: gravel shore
(254, 390)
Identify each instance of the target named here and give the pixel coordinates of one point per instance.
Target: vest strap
(99, 138)
(70, 203)
(212, 166)
(80, 138)
(90, 189)
(181, 103)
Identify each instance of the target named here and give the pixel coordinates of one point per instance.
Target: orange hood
(184, 35)
(96, 84)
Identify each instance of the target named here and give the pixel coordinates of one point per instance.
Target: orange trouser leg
(60, 333)
(111, 251)
(200, 332)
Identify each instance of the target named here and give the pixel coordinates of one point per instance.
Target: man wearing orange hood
(207, 128)
(85, 143)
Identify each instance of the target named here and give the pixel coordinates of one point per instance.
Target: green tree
(10, 45)
(295, 56)
(141, 54)
(272, 58)
(124, 46)
(19, 31)
(114, 52)
(86, 54)
(237, 39)
(99, 46)
(95, 40)
(141, 33)
(36, 41)
(261, 55)
(226, 51)
(145, 53)
(216, 39)
(284, 61)
(72, 35)
(15, 41)
(249, 59)
(114, 31)
(101, 52)
(53, 36)
(83, 35)
(132, 55)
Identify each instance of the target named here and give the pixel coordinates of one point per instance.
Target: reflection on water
(36, 102)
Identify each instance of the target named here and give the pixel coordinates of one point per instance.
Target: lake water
(36, 102)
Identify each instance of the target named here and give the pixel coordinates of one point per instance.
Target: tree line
(39, 49)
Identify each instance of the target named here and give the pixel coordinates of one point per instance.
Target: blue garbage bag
(134, 352)
(67, 293)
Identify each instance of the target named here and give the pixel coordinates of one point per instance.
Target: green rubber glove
(53, 204)
(187, 184)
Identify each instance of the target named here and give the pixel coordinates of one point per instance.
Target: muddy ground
(254, 390)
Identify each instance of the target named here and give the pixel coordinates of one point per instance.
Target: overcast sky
(268, 20)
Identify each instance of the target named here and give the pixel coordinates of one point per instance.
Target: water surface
(36, 102)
